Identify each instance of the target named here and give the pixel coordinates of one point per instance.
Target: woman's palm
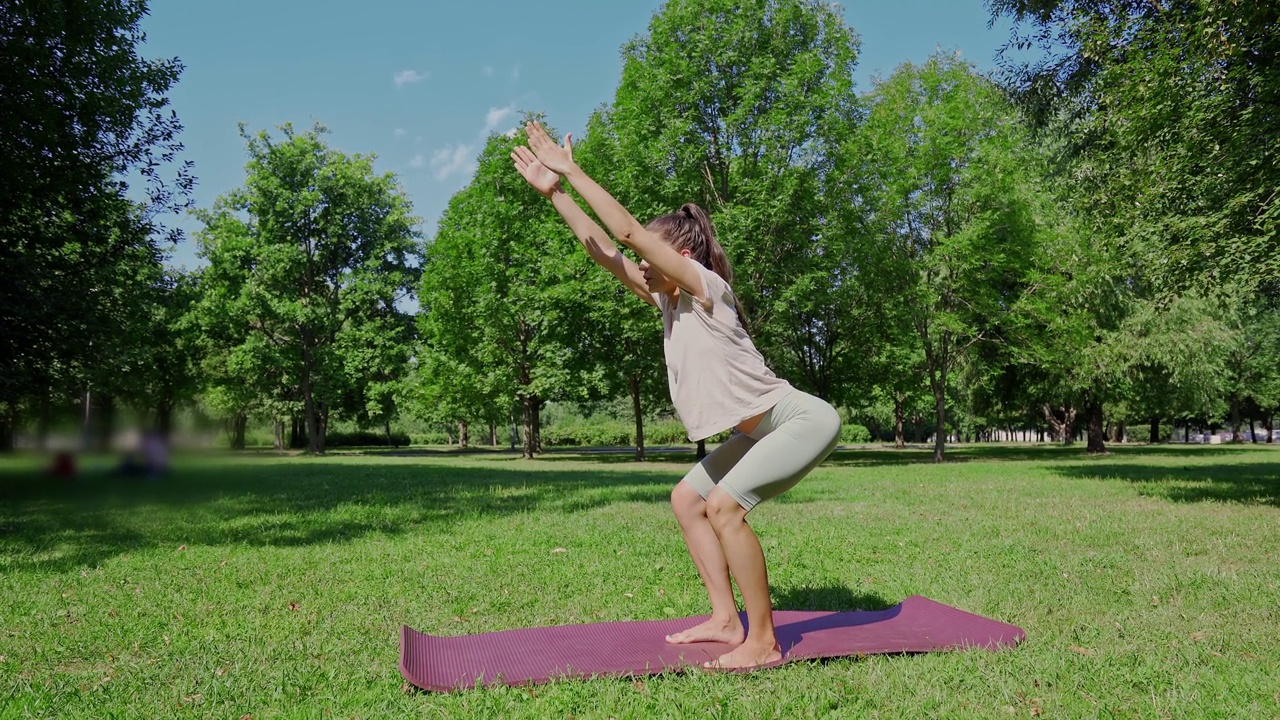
(537, 174)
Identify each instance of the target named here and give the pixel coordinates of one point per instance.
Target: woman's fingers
(525, 153)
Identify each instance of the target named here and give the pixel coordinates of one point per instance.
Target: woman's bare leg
(742, 551)
(724, 625)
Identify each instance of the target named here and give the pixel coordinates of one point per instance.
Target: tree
(84, 112)
(951, 189)
(1174, 102)
(501, 297)
(169, 374)
(740, 107)
(314, 254)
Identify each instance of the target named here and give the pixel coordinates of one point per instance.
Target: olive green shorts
(792, 438)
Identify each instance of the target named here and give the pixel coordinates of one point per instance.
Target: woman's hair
(689, 228)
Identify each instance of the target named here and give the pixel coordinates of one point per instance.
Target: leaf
(293, 606)
(1083, 651)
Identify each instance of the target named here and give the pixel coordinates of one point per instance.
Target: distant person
(719, 381)
(150, 459)
(63, 465)
(155, 453)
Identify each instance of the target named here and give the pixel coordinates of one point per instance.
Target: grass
(274, 587)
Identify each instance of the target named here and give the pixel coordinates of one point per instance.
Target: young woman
(718, 381)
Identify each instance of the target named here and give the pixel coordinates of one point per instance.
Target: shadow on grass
(867, 456)
(1247, 483)
(832, 597)
(60, 525)
(864, 457)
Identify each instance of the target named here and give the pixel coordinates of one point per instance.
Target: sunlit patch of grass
(275, 586)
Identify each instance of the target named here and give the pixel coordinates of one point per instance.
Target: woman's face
(655, 280)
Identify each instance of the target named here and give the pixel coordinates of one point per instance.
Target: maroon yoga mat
(537, 655)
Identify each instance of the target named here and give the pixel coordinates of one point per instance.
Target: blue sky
(420, 84)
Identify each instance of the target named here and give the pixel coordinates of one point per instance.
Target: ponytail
(690, 228)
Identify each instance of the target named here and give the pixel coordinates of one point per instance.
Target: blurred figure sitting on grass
(150, 459)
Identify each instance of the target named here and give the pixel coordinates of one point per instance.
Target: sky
(421, 83)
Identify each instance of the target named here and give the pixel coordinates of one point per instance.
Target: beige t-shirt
(717, 377)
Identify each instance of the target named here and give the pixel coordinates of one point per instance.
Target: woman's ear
(686, 253)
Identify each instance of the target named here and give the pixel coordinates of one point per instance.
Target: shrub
(854, 433)
(364, 438)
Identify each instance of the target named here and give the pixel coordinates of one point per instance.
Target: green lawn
(275, 587)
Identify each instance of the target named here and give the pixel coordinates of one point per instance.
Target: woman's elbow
(630, 234)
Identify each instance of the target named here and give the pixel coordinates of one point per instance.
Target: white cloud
(405, 77)
(488, 71)
(400, 132)
(515, 72)
(417, 161)
(450, 160)
(510, 133)
(495, 116)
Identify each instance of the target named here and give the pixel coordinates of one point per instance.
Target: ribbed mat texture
(538, 655)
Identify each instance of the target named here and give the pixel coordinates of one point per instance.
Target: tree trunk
(493, 434)
(527, 418)
(315, 437)
(43, 422)
(8, 422)
(386, 431)
(1155, 430)
(1097, 444)
(238, 423)
(1269, 426)
(940, 426)
(1061, 428)
(1235, 419)
(296, 439)
(537, 425)
(106, 422)
(899, 437)
(464, 434)
(702, 449)
(164, 420)
(277, 433)
(634, 383)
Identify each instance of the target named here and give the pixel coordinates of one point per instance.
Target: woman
(718, 381)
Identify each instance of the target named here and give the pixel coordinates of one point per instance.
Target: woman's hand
(557, 159)
(533, 171)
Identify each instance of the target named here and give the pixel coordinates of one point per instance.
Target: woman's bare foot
(713, 630)
(745, 657)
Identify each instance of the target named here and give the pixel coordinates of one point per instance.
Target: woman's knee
(724, 510)
(686, 502)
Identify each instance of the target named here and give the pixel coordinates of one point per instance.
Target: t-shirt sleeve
(716, 289)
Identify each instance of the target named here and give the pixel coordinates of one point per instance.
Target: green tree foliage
(84, 112)
(503, 305)
(739, 107)
(624, 333)
(307, 264)
(1173, 103)
(950, 185)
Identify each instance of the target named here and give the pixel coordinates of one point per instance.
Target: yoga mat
(616, 649)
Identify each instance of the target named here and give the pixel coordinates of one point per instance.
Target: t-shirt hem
(767, 401)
